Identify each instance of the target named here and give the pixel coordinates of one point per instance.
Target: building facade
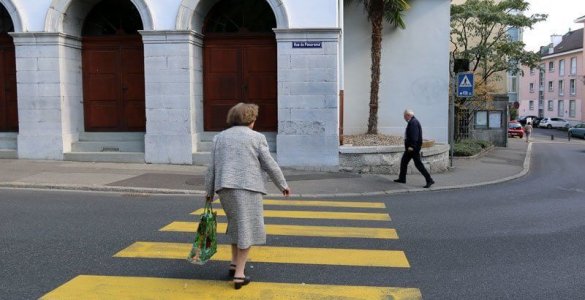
(151, 81)
(557, 88)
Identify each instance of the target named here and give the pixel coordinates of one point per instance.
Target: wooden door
(239, 69)
(113, 84)
(8, 98)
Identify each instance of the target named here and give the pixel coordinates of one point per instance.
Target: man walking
(412, 145)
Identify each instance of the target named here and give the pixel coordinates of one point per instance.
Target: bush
(470, 147)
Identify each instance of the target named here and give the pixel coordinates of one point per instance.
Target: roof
(571, 41)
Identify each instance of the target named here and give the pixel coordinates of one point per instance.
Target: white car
(553, 123)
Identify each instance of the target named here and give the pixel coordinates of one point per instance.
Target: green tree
(378, 11)
(479, 33)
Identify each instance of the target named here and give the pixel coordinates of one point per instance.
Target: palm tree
(378, 11)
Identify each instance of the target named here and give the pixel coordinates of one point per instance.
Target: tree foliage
(378, 11)
(479, 33)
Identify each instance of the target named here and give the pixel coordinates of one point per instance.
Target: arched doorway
(239, 62)
(113, 68)
(8, 98)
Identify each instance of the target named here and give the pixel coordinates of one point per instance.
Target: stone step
(118, 157)
(108, 146)
(8, 154)
(205, 146)
(206, 141)
(203, 158)
(8, 140)
(111, 136)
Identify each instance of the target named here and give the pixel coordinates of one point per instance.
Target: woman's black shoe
(238, 284)
(232, 270)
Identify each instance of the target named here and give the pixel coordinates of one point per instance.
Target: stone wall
(386, 159)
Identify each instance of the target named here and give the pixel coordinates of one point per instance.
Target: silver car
(553, 123)
(578, 131)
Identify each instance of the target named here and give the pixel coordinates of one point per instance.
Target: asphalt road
(518, 240)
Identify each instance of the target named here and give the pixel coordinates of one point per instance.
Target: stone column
(49, 93)
(308, 98)
(169, 71)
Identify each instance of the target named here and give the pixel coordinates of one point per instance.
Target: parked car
(536, 121)
(522, 120)
(578, 131)
(553, 123)
(515, 129)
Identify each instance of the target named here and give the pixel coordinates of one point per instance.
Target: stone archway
(14, 15)
(67, 16)
(192, 14)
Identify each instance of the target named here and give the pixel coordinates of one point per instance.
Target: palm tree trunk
(377, 18)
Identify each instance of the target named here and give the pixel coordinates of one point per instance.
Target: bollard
(552, 137)
(569, 136)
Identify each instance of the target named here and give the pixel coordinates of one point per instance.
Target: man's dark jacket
(413, 136)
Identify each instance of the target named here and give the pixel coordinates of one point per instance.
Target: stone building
(151, 80)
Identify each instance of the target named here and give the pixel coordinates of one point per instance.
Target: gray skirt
(245, 217)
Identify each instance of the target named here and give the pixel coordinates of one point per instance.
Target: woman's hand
(286, 192)
(208, 199)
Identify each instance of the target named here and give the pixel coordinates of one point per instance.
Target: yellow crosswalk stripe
(311, 203)
(300, 230)
(269, 254)
(294, 214)
(131, 288)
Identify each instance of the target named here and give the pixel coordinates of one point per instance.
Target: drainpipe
(341, 71)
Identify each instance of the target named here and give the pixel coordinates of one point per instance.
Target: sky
(561, 17)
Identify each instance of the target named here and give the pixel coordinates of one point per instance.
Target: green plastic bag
(205, 243)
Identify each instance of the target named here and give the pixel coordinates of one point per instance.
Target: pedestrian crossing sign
(464, 84)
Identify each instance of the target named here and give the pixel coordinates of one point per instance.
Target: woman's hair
(242, 114)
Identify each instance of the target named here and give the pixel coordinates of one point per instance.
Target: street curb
(116, 189)
(525, 169)
(91, 188)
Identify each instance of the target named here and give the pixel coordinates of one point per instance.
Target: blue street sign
(464, 84)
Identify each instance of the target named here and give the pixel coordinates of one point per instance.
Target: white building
(151, 80)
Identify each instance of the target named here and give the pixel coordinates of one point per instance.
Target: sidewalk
(500, 164)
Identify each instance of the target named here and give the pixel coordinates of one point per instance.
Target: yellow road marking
(130, 288)
(310, 203)
(269, 254)
(300, 230)
(294, 214)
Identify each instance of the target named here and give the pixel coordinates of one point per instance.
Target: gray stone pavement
(497, 165)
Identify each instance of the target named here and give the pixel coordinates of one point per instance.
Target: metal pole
(452, 112)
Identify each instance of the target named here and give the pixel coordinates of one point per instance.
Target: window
(551, 66)
(532, 87)
(550, 105)
(561, 111)
(513, 84)
(531, 71)
(530, 105)
(561, 92)
(572, 108)
(550, 86)
(495, 120)
(481, 119)
(573, 65)
(572, 87)
(488, 119)
(561, 67)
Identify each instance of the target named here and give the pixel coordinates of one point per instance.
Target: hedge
(470, 147)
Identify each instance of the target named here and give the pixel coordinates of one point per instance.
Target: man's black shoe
(428, 185)
(400, 180)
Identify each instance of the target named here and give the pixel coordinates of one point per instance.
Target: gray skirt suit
(237, 173)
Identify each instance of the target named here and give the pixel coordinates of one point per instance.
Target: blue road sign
(464, 84)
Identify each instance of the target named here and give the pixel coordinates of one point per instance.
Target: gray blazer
(239, 158)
